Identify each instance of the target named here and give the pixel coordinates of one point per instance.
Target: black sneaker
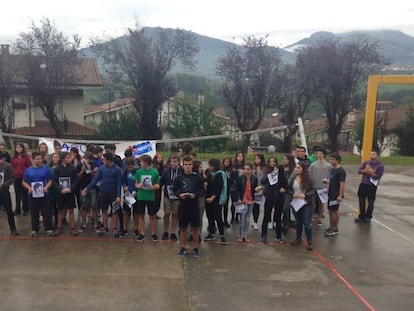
(182, 252)
(196, 253)
(135, 233)
(165, 236)
(14, 232)
(103, 231)
(223, 240)
(140, 238)
(210, 237)
(174, 237)
(154, 238)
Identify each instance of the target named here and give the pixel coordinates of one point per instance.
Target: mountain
(393, 44)
(211, 50)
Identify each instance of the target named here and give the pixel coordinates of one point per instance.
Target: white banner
(138, 148)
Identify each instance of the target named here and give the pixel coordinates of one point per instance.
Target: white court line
(384, 225)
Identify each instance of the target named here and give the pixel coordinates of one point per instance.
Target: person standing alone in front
(371, 171)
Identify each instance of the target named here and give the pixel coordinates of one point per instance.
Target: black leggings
(21, 196)
(5, 200)
(256, 212)
(270, 203)
(213, 212)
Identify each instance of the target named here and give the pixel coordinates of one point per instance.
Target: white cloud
(285, 21)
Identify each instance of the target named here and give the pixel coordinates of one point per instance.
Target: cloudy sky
(285, 21)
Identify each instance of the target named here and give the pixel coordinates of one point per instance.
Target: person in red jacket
(20, 161)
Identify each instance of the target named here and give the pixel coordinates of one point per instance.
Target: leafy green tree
(405, 133)
(126, 127)
(380, 134)
(251, 82)
(194, 117)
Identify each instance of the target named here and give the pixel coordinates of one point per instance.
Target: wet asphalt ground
(365, 267)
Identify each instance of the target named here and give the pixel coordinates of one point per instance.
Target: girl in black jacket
(274, 183)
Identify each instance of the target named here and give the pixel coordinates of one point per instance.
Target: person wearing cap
(6, 179)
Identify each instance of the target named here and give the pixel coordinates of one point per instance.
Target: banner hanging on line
(138, 148)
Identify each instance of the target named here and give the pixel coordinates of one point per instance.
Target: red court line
(353, 290)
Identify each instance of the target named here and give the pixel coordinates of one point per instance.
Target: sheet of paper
(273, 178)
(171, 194)
(38, 191)
(240, 207)
(129, 199)
(297, 204)
(374, 181)
(334, 202)
(258, 199)
(323, 195)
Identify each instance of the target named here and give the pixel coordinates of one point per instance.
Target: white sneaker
(269, 226)
(255, 226)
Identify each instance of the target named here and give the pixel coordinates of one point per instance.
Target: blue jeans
(303, 219)
(245, 221)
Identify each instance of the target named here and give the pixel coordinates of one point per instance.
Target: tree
(48, 68)
(143, 62)
(297, 94)
(251, 83)
(337, 71)
(192, 117)
(405, 134)
(126, 127)
(380, 134)
(6, 93)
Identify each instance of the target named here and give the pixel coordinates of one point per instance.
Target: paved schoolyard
(365, 267)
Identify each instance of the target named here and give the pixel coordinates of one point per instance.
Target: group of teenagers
(102, 185)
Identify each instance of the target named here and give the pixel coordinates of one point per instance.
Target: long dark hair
(230, 167)
(306, 181)
(262, 160)
(236, 165)
(291, 165)
(23, 153)
(268, 168)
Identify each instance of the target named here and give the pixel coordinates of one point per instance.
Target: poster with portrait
(1, 177)
(146, 181)
(64, 183)
(38, 191)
